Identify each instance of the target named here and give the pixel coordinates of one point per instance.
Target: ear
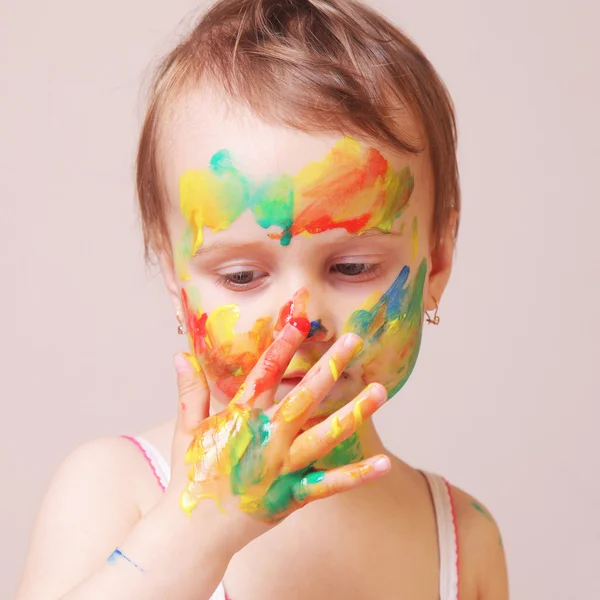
(167, 268)
(441, 264)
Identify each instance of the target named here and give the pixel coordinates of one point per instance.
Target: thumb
(194, 400)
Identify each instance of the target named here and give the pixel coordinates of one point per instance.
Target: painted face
(351, 206)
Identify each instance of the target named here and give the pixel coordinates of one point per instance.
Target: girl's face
(267, 223)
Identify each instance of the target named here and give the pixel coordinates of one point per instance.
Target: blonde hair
(316, 66)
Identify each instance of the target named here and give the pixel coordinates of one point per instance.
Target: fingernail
(378, 393)
(354, 343)
(350, 341)
(182, 365)
(382, 464)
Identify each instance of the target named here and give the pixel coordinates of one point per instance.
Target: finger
(321, 439)
(294, 410)
(322, 484)
(260, 385)
(194, 396)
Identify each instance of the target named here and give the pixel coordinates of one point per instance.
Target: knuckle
(189, 386)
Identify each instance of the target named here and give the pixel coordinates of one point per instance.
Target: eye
(358, 271)
(241, 280)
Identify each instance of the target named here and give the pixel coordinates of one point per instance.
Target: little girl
(298, 184)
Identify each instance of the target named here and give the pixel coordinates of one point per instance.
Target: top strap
(160, 467)
(447, 536)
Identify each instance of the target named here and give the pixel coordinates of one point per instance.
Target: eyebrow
(344, 237)
(216, 246)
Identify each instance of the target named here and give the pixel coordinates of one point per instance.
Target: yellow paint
(218, 444)
(334, 369)
(352, 187)
(210, 198)
(239, 393)
(336, 428)
(357, 411)
(304, 362)
(220, 324)
(297, 404)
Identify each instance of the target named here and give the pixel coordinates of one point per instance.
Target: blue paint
(315, 327)
(114, 557)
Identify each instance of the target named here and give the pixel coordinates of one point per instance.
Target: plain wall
(504, 399)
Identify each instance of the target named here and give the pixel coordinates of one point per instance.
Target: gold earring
(435, 320)
(180, 329)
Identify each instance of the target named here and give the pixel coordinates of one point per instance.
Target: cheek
(391, 326)
(226, 357)
(392, 330)
(225, 348)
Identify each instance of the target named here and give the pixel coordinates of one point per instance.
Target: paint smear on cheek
(392, 329)
(390, 325)
(228, 356)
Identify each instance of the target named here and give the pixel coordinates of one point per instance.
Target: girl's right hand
(253, 459)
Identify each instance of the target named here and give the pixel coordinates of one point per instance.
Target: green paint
(233, 186)
(272, 204)
(486, 514)
(312, 478)
(302, 491)
(280, 494)
(347, 452)
(249, 469)
(193, 294)
(482, 510)
(402, 305)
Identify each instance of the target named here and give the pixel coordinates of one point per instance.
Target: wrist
(178, 553)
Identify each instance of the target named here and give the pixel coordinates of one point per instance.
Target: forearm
(173, 563)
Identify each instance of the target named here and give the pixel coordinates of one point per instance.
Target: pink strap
(148, 460)
(451, 496)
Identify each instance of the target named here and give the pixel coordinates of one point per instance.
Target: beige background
(504, 401)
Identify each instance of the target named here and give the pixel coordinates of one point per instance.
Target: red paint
(302, 324)
(196, 325)
(285, 314)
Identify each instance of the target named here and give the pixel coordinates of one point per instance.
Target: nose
(311, 304)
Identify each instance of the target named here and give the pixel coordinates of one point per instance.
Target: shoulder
(92, 502)
(482, 561)
(103, 474)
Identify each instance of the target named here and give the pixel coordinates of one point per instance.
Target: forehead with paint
(261, 214)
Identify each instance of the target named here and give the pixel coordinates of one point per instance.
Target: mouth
(295, 375)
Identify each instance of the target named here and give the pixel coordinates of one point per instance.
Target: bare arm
(88, 510)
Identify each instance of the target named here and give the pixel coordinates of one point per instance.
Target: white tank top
(442, 502)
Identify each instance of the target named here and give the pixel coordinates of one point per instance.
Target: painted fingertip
(382, 464)
(302, 324)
